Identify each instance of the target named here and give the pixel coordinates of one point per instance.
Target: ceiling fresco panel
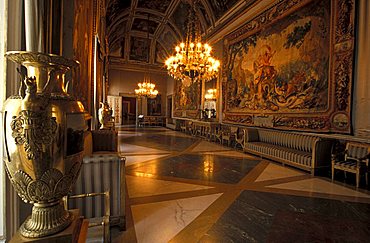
(160, 54)
(118, 48)
(139, 49)
(167, 24)
(179, 17)
(118, 32)
(142, 25)
(158, 5)
(115, 8)
(167, 39)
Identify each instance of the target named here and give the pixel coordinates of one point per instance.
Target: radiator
(99, 173)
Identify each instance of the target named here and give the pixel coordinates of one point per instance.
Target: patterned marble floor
(184, 189)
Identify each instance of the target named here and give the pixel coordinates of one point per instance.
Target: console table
(201, 128)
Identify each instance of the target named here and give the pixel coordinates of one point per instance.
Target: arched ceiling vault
(128, 24)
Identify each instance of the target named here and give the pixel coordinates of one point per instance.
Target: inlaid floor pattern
(184, 189)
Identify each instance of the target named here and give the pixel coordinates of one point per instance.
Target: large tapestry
(187, 99)
(291, 67)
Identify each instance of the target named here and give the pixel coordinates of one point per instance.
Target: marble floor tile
(207, 167)
(253, 214)
(127, 135)
(141, 187)
(205, 146)
(320, 186)
(126, 148)
(160, 222)
(274, 171)
(135, 159)
(304, 227)
(178, 134)
(161, 142)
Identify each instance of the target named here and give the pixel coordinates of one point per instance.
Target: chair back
(233, 130)
(105, 140)
(99, 173)
(357, 151)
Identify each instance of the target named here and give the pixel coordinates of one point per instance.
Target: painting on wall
(288, 69)
(154, 106)
(187, 99)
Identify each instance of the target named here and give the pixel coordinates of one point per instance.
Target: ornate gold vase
(43, 130)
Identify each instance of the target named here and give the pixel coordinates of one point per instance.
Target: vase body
(43, 130)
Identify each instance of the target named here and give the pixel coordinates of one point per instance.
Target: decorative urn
(105, 116)
(43, 129)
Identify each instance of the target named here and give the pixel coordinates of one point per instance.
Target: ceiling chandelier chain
(147, 88)
(192, 60)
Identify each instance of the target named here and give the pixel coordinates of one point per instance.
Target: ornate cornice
(117, 63)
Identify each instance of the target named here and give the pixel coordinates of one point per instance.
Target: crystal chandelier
(193, 58)
(147, 88)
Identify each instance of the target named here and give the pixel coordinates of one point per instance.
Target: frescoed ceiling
(128, 22)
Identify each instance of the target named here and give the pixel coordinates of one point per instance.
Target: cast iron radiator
(99, 173)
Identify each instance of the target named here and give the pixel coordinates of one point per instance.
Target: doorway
(128, 110)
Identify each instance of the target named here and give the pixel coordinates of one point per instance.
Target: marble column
(361, 94)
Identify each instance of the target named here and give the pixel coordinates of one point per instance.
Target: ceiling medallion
(193, 58)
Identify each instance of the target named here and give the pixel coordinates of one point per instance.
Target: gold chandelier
(146, 88)
(193, 59)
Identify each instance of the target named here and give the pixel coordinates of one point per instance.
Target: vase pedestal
(71, 234)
